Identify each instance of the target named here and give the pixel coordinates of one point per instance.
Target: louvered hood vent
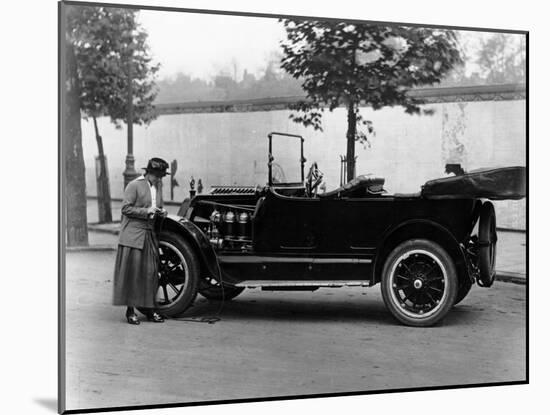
(225, 190)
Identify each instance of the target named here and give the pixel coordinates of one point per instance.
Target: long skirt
(136, 274)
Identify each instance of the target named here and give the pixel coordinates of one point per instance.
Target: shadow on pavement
(462, 315)
(269, 309)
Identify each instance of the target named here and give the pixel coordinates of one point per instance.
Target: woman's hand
(152, 211)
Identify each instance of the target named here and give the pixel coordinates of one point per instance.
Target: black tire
(178, 275)
(487, 245)
(463, 289)
(219, 293)
(419, 282)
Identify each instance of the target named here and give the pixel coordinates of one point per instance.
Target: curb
(118, 200)
(513, 230)
(513, 277)
(90, 248)
(94, 228)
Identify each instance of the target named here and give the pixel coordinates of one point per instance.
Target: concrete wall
(231, 148)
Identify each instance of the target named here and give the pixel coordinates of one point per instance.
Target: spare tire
(487, 245)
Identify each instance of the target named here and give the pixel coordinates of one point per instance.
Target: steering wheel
(313, 180)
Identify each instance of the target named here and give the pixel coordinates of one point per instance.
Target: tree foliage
(496, 58)
(343, 63)
(110, 45)
(113, 66)
(501, 60)
(353, 64)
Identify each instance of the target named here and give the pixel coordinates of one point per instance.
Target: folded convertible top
(496, 184)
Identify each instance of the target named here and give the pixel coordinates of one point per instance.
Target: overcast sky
(203, 44)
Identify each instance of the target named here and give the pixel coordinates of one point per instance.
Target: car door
(336, 226)
(354, 226)
(287, 225)
(369, 219)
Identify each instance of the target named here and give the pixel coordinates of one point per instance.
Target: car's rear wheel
(419, 282)
(219, 293)
(178, 275)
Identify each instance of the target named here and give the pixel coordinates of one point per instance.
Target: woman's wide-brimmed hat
(157, 165)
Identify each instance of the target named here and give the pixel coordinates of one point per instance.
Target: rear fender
(420, 229)
(197, 238)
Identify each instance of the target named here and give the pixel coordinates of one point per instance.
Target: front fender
(193, 234)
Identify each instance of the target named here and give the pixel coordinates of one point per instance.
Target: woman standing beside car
(137, 261)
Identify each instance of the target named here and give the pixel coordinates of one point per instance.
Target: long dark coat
(136, 266)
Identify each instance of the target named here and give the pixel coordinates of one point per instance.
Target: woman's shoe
(155, 317)
(132, 319)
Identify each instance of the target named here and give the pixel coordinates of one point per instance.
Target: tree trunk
(75, 174)
(352, 128)
(103, 187)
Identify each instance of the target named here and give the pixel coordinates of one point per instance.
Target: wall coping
(433, 95)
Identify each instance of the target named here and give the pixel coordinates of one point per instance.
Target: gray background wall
(231, 147)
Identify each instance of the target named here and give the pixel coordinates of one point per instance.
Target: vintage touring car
(426, 249)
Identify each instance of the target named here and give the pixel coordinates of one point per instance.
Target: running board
(256, 259)
(309, 283)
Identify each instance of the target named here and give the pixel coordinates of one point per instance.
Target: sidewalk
(511, 262)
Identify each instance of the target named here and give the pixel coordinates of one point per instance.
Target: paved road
(280, 344)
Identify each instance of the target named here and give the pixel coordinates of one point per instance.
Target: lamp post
(130, 171)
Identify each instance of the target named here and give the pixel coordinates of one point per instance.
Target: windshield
(286, 152)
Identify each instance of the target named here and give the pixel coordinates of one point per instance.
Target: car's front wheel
(178, 275)
(419, 282)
